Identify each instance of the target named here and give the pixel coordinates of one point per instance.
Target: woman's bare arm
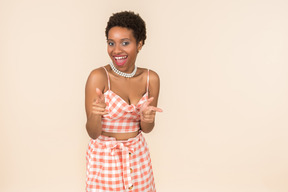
(95, 102)
(149, 109)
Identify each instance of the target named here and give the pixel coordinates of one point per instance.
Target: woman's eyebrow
(120, 39)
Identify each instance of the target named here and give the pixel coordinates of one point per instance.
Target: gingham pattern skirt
(119, 165)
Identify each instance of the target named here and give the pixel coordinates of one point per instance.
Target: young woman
(121, 100)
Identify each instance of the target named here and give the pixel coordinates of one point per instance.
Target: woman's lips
(120, 60)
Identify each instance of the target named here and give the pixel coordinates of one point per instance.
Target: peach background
(224, 89)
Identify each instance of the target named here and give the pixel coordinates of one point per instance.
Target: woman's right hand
(99, 105)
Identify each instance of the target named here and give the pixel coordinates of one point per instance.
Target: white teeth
(117, 58)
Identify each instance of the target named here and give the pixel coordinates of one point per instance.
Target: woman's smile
(120, 60)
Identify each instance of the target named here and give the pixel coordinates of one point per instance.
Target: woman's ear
(139, 46)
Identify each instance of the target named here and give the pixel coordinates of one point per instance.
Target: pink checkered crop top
(122, 117)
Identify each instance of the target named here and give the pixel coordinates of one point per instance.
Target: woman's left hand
(147, 112)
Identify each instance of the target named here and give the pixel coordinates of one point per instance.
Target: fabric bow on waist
(125, 153)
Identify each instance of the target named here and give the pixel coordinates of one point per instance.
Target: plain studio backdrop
(224, 89)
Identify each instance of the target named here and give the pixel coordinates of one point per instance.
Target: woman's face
(122, 48)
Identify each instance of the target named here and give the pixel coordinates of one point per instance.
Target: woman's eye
(110, 43)
(125, 43)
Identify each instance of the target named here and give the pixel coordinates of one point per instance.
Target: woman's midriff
(121, 136)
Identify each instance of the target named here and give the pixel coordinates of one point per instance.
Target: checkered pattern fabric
(119, 165)
(122, 117)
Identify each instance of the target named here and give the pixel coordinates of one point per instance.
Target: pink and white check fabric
(122, 117)
(119, 165)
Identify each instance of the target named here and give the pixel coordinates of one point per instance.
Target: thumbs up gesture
(99, 105)
(147, 111)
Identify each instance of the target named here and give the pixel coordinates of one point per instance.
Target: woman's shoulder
(98, 74)
(152, 74)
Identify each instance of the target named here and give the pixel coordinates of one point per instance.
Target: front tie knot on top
(122, 117)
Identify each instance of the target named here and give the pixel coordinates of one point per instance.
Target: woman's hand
(99, 105)
(147, 112)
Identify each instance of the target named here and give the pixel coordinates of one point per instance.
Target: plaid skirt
(119, 165)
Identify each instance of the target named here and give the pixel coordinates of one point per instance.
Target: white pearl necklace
(128, 75)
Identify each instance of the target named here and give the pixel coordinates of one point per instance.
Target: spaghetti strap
(107, 78)
(147, 81)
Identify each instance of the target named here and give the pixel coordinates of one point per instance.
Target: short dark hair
(130, 20)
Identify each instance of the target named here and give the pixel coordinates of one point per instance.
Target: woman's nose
(117, 49)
